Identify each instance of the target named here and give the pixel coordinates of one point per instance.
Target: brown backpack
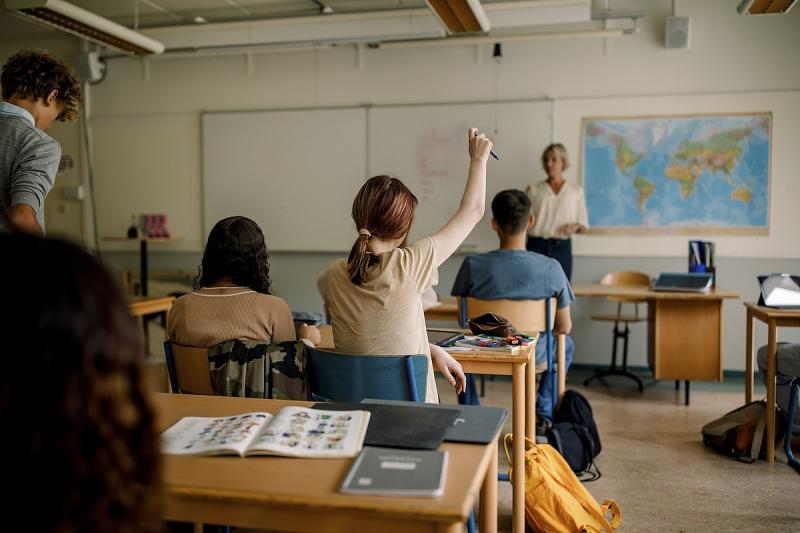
(742, 432)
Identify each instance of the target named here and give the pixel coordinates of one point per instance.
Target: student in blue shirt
(514, 273)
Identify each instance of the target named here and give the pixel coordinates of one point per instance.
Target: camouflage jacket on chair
(256, 369)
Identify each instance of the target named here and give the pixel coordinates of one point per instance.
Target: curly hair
(35, 74)
(235, 251)
(80, 442)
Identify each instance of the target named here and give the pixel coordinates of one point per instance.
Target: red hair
(384, 207)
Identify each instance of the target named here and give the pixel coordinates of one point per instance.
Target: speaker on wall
(677, 32)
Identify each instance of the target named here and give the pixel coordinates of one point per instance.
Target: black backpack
(575, 408)
(575, 436)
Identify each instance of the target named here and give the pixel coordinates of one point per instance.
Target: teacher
(558, 208)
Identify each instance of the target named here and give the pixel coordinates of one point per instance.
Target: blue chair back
(351, 378)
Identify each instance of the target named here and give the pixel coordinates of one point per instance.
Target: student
(38, 88)
(374, 298)
(559, 210)
(79, 446)
(513, 273)
(233, 299)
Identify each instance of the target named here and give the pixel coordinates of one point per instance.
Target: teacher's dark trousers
(558, 249)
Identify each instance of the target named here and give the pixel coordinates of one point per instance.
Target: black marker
(491, 152)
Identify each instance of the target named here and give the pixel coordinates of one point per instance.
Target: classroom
(670, 126)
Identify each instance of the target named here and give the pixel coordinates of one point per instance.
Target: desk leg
(748, 359)
(488, 518)
(530, 399)
(518, 428)
(143, 266)
(771, 364)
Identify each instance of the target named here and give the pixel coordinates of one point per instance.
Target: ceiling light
(765, 7)
(85, 24)
(460, 16)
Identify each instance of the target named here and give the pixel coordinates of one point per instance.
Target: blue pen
(491, 152)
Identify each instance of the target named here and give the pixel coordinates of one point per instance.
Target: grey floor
(655, 466)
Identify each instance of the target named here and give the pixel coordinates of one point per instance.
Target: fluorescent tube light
(765, 7)
(460, 16)
(85, 24)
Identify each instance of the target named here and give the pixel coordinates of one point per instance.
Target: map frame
(680, 229)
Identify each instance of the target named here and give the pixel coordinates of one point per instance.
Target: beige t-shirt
(212, 315)
(552, 211)
(384, 316)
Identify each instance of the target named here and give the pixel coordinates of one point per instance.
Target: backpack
(576, 445)
(555, 501)
(575, 408)
(741, 433)
(575, 435)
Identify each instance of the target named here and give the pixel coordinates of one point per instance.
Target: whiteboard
(426, 147)
(295, 172)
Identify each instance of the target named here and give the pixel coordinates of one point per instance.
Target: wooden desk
(523, 407)
(290, 494)
(684, 330)
(142, 306)
(773, 318)
(523, 390)
(445, 311)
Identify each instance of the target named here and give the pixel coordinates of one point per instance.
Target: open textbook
(292, 431)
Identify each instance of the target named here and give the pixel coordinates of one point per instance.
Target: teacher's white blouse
(552, 211)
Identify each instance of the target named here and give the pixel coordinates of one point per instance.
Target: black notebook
(475, 424)
(393, 472)
(401, 426)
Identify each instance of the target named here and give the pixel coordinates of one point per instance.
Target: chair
(528, 316)
(621, 279)
(188, 369)
(351, 378)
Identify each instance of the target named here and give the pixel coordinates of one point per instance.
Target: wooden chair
(528, 316)
(351, 378)
(621, 279)
(188, 369)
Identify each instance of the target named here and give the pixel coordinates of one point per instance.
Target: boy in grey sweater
(38, 88)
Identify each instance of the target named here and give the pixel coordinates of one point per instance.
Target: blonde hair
(559, 151)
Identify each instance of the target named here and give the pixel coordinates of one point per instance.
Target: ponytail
(360, 259)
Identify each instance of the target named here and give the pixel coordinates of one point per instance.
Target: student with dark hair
(38, 89)
(79, 445)
(374, 297)
(232, 297)
(513, 273)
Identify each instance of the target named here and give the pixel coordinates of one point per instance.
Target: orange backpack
(555, 501)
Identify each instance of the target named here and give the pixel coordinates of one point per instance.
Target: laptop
(475, 424)
(443, 338)
(780, 290)
(683, 282)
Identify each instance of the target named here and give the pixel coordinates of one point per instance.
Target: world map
(692, 172)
